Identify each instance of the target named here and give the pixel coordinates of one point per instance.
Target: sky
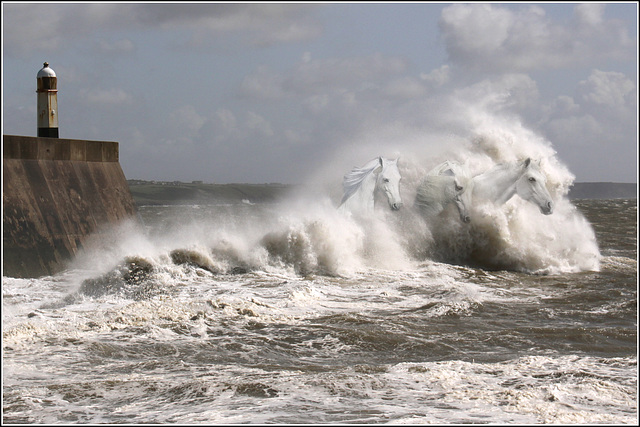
(273, 92)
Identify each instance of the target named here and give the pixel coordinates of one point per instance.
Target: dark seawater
(249, 314)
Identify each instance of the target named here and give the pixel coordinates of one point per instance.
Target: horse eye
(458, 188)
(532, 179)
(386, 180)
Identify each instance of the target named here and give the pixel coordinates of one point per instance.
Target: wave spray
(306, 234)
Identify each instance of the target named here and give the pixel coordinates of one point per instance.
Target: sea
(291, 313)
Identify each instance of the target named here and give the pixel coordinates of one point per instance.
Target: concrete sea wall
(56, 193)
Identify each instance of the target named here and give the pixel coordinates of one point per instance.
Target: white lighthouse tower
(47, 102)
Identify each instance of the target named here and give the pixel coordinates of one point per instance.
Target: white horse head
(446, 183)
(532, 186)
(360, 185)
(503, 181)
(389, 182)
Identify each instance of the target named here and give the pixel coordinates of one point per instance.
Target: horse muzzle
(396, 206)
(547, 209)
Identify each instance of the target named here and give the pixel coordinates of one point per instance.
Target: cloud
(475, 29)
(225, 122)
(263, 83)
(405, 88)
(334, 92)
(186, 119)
(603, 111)
(223, 127)
(437, 77)
(577, 130)
(29, 27)
(603, 107)
(258, 125)
(287, 33)
(106, 98)
(117, 47)
(494, 39)
(591, 14)
(609, 89)
(317, 76)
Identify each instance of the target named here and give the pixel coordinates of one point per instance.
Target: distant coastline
(149, 193)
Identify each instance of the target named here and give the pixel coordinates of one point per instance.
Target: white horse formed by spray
(361, 184)
(504, 180)
(446, 183)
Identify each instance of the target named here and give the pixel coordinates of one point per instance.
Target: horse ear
(527, 162)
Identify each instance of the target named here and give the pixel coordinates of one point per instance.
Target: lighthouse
(47, 102)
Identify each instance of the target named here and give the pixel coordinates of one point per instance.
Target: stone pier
(56, 193)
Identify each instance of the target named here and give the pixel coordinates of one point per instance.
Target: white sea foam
(521, 391)
(204, 347)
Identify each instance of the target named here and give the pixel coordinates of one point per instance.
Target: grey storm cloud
(59, 24)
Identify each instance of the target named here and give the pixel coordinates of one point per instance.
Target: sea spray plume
(510, 234)
(110, 247)
(301, 236)
(513, 236)
(479, 124)
(188, 239)
(361, 183)
(311, 237)
(516, 237)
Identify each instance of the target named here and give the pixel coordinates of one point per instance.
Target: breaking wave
(306, 235)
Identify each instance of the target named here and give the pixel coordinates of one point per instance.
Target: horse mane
(502, 166)
(432, 189)
(353, 180)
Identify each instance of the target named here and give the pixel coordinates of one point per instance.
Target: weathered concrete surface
(56, 193)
